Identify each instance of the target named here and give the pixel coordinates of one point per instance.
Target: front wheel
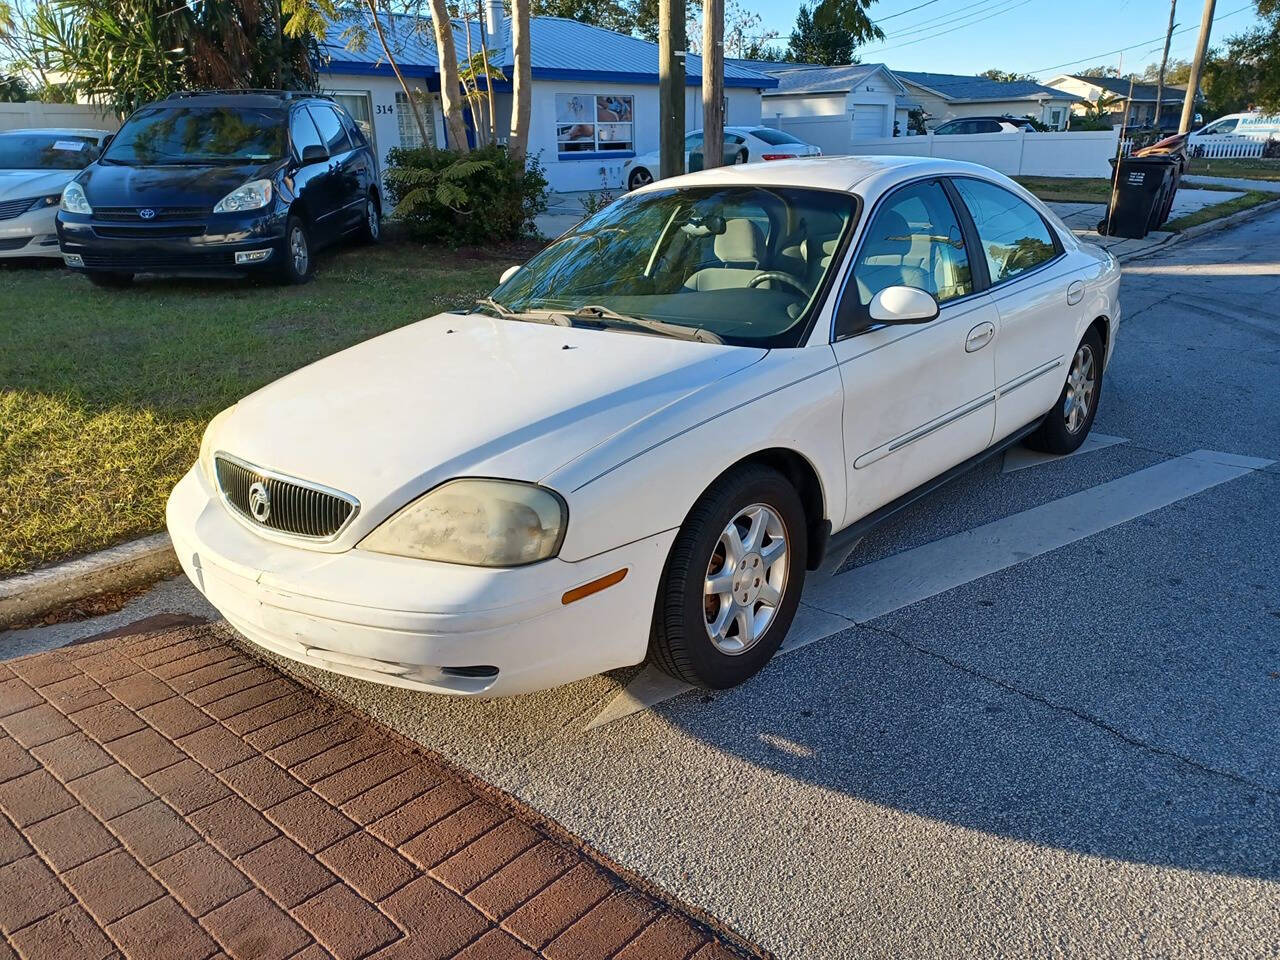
(1071, 419)
(733, 580)
(640, 177)
(297, 265)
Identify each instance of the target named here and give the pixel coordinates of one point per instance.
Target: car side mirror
(314, 153)
(903, 305)
(508, 273)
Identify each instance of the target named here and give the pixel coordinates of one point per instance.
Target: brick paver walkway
(168, 795)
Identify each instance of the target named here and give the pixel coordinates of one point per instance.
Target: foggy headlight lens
(74, 200)
(481, 523)
(254, 195)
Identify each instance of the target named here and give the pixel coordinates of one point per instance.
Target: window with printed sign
(591, 123)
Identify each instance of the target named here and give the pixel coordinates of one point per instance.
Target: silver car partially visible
(35, 165)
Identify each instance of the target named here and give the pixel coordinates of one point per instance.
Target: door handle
(1075, 292)
(979, 337)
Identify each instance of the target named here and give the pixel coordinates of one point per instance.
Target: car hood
(115, 185)
(16, 184)
(463, 395)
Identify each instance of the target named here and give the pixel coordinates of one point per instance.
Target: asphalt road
(1036, 715)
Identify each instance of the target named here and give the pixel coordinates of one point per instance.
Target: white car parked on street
(650, 432)
(741, 145)
(34, 167)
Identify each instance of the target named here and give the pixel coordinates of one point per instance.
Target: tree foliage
(1007, 76)
(1099, 70)
(830, 31)
(610, 14)
(1247, 74)
(125, 53)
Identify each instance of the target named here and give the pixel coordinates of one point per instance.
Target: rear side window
(1013, 235)
(331, 129)
(303, 132)
(774, 137)
(352, 128)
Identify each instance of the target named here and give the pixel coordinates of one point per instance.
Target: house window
(1055, 118)
(410, 135)
(594, 123)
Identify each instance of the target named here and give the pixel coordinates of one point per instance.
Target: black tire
(640, 177)
(1055, 435)
(371, 229)
(291, 270)
(109, 280)
(680, 642)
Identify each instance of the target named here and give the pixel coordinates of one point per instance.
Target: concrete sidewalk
(166, 795)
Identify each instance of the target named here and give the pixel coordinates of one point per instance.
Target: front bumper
(207, 245)
(30, 235)
(440, 628)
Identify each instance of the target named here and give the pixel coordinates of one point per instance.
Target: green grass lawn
(1069, 189)
(1258, 169)
(1243, 202)
(104, 394)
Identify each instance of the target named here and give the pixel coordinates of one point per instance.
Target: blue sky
(1029, 36)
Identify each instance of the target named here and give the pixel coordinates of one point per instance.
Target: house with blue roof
(594, 99)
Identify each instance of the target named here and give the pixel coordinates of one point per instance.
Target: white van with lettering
(1249, 126)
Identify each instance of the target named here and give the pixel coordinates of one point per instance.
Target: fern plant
(420, 186)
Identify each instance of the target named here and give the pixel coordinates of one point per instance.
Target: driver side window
(914, 241)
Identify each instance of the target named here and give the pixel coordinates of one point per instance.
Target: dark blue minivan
(222, 182)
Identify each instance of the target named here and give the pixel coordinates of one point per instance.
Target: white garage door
(868, 121)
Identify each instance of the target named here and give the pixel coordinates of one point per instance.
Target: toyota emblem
(260, 502)
(146, 213)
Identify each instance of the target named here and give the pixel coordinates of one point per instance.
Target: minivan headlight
(477, 522)
(254, 195)
(74, 200)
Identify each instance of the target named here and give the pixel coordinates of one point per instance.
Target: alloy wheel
(373, 219)
(745, 579)
(298, 251)
(1080, 389)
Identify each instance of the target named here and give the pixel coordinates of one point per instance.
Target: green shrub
(480, 197)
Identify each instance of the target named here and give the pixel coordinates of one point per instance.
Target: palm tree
(522, 80)
(447, 53)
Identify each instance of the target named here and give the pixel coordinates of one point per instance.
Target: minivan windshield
(46, 151)
(745, 264)
(191, 135)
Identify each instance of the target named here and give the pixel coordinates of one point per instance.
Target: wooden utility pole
(671, 50)
(712, 83)
(1164, 60)
(1197, 65)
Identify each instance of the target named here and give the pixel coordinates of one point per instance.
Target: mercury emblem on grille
(260, 502)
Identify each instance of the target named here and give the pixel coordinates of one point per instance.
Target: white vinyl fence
(14, 116)
(1050, 154)
(1227, 148)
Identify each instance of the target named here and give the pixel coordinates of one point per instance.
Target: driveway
(1033, 716)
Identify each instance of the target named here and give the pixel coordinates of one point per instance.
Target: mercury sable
(643, 439)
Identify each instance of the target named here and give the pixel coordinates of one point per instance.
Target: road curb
(31, 595)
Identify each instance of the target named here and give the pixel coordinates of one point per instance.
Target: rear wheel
(1071, 418)
(297, 265)
(371, 229)
(733, 580)
(112, 281)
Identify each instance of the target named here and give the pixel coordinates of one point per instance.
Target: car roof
(869, 176)
(278, 99)
(991, 116)
(62, 131)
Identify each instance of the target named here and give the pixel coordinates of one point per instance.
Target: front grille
(147, 232)
(12, 208)
(131, 215)
(141, 263)
(296, 507)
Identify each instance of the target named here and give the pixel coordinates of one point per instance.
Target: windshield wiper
(606, 316)
(533, 316)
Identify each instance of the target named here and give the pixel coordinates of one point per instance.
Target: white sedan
(741, 145)
(34, 167)
(640, 443)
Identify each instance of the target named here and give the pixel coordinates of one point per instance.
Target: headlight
(45, 203)
(74, 200)
(481, 523)
(254, 195)
(206, 447)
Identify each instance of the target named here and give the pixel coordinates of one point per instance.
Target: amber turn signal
(595, 586)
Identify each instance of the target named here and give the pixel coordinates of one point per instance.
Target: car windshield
(199, 135)
(745, 264)
(773, 137)
(46, 151)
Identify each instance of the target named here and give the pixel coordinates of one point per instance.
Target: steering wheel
(787, 278)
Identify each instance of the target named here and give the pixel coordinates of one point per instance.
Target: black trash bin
(1142, 195)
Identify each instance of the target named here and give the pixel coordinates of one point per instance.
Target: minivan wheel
(110, 280)
(371, 229)
(1071, 419)
(640, 177)
(297, 265)
(733, 580)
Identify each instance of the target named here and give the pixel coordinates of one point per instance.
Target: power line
(933, 25)
(893, 16)
(933, 36)
(1112, 53)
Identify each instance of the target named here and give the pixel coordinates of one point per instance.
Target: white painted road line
(1019, 457)
(875, 589)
